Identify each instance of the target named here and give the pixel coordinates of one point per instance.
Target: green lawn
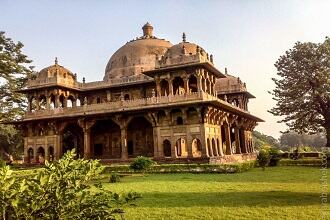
(277, 193)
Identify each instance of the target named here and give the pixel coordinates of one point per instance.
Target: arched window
(178, 86)
(126, 97)
(42, 102)
(164, 87)
(196, 148)
(180, 146)
(52, 101)
(179, 120)
(192, 84)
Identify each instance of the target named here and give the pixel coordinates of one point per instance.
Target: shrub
(263, 158)
(60, 191)
(141, 163)
(275, 156)
(114, 178)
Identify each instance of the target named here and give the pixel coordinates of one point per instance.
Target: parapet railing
(89, 85)
(120, 105)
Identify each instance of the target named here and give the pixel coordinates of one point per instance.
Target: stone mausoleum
(156, 99)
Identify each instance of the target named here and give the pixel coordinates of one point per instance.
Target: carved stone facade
(157, 100)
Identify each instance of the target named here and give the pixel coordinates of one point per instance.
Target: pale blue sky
(247, 37)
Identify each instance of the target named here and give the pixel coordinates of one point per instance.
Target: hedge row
(187, 168)
(302, 154)
(301, 162)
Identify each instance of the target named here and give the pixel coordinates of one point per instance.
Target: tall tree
(303, 89)
(14, 72)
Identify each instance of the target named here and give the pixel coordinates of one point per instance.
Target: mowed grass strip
(277, 193)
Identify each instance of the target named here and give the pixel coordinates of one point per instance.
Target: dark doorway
(130, 148)
(98, 149)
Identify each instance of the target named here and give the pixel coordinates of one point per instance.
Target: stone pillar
(170, 85)
(65, 102)
(203, 141)
(47, 102)
(237, 141)
(124, 153)
(87, 143)
(35, 154)
(108, 96)
(173, 148)
(158, 88)
(243, 136)
(57, 101)
(199, 83)
(220, 145)
(156, 142)
(26, 148)
(228, 140)
(186, 85)
(29, 105)
(37, 104)
(58, 148)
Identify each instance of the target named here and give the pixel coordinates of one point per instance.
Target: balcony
(119, 106)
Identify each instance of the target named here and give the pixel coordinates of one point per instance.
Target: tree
(14, 72)
(262, 140)
(303, 90)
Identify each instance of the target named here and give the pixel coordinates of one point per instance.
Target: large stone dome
(136, 56)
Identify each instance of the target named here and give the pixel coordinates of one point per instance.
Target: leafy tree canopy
(14, 73)
(262, 140)
(303, 88)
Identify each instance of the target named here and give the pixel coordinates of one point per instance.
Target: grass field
(277, 193)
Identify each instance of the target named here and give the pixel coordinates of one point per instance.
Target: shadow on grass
(229, 199)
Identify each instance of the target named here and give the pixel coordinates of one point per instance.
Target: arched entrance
(196, 148)
(73, 138)
(40, 155)
(178, 86)
(167, 148)
(192, 84)
(180, 147)
(105, 140)
(140, 138)
(164, 87)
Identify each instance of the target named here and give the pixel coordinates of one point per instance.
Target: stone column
(58, 148)
(186, 85)
(35, 154)
(237, 141)
(57, 101)
(170, 85)
(158, 88)
(124, 153)
(243, 147)
(220, 145)
(199, 83)
(228, 140)
(203, 142)
(37, 104)
(87, 143)
(26, 148)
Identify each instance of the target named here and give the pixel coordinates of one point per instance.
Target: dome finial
(56, 61)
(147, 30)
(183, 37)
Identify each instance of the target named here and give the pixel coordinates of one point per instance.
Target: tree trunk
(327, 129)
